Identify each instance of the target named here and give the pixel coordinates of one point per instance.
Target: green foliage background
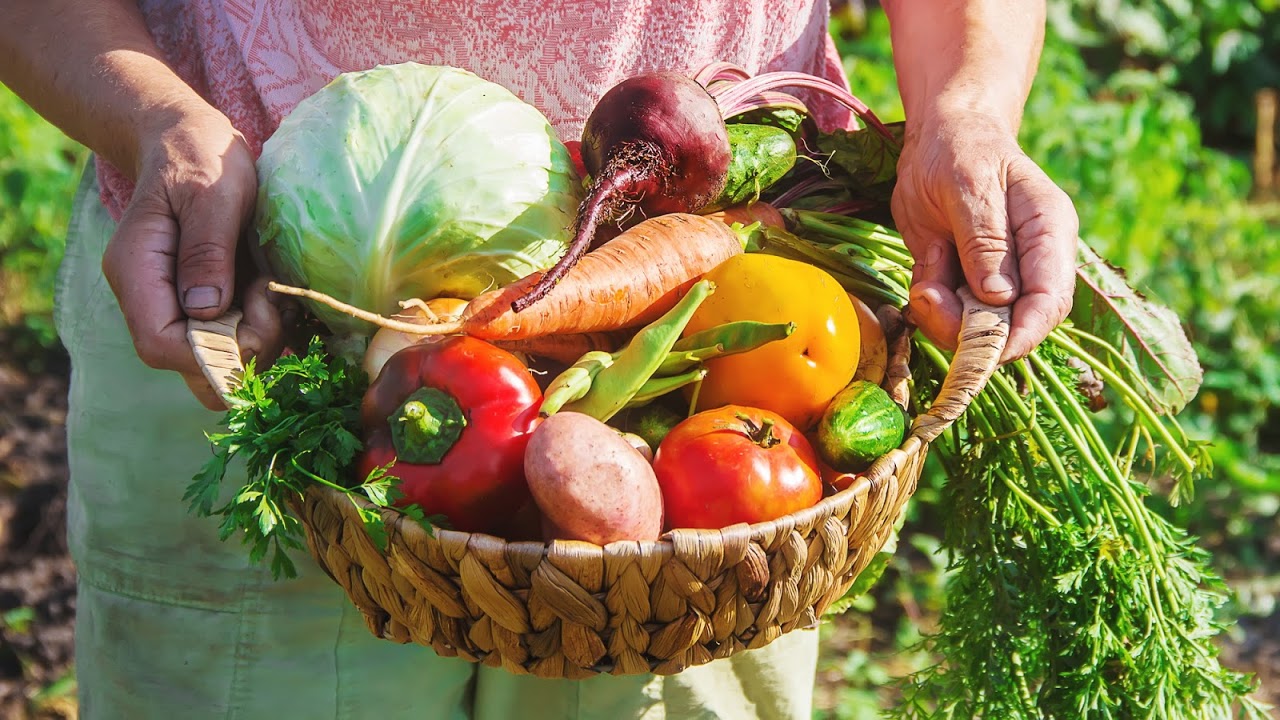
(39, 168)
(1142, 111)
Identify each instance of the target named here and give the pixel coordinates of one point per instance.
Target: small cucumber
(860, 424)
(761, 155)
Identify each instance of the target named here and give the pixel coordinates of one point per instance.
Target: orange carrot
(760, 211)
(565, 348)
(628, 282)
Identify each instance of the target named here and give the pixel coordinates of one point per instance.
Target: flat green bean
(574, 382)
(656, 387)
(633, 365)
(725, 339)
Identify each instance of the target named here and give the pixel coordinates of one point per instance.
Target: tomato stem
(762, 433)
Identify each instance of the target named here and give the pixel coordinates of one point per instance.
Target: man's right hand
(91, 68)
(173, 254)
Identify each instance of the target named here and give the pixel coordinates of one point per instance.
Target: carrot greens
(1068, 596)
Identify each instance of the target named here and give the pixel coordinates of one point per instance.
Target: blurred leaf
(18, 619)
(39, 168)
(1231, 46)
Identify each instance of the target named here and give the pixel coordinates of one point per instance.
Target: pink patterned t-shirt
(256, 59)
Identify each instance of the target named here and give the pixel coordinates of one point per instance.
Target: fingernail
(202, 297)
(997, 284)
(933, 255)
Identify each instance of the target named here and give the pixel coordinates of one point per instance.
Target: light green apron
(172, 623)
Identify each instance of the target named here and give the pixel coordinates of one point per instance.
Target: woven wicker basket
(570, 609)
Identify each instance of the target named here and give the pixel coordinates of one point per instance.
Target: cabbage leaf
(408, 181)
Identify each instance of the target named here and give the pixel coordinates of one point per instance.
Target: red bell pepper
(453, 417)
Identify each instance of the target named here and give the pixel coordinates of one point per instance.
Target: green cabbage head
(411, 181)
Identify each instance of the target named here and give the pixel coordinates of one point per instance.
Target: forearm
(91, 68)
(975, 55)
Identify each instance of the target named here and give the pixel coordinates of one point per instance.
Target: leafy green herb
(295, 424)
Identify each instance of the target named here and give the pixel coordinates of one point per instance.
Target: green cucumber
(761, 155)
(860, 424)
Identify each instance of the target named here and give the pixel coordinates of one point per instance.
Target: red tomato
(832, 478)
(732, 465)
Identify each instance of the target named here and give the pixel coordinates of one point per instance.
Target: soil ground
(37, 578)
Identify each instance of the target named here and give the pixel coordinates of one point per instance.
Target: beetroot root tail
(578, 248)
(622, 178)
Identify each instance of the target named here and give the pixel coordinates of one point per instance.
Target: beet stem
(720, 72)
(804, 188)
(744, 90)
(767, 100)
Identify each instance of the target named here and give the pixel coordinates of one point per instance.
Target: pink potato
(590, 483)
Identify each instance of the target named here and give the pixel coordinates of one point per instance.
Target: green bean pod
(633, 365)
(655, 387)
(726, 339)
(574, 382)
(680, 361)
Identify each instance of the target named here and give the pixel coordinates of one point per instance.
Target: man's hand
(173, 254)
(91, 68)
(975, 210)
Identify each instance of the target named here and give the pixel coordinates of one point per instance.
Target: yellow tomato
(797, 376)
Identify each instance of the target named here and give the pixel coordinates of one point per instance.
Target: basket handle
(984, 330)
(217, 351)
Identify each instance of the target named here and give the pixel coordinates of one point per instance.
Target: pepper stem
(761, 434)
(426, 426)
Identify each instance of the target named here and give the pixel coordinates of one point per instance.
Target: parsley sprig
(294, 424)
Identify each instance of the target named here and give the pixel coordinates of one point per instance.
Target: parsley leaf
(294, 425)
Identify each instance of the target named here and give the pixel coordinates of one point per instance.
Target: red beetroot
(655, 143)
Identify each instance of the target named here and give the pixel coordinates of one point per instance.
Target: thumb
(980, 223)
(261, 332)
(211, 221)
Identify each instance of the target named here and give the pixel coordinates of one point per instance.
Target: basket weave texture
(570, 609)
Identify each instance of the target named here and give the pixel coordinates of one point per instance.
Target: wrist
(182, 128)
(107, 86)
(146, 101)
(960, 98)
(977, 57)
